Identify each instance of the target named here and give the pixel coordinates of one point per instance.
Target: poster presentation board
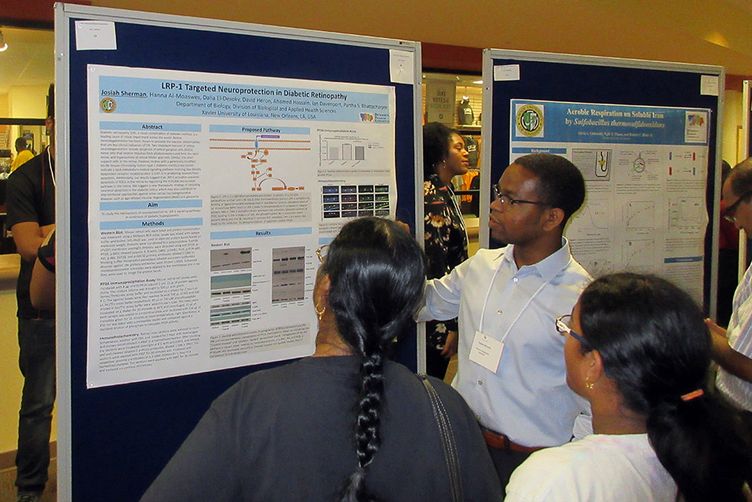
(643, 134)
(244, 177)
(203, 164)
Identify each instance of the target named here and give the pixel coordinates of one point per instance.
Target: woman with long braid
(638, 350)
(347, 423)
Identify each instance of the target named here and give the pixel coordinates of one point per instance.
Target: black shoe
(29, 497)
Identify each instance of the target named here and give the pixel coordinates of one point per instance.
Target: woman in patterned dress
(444, 156)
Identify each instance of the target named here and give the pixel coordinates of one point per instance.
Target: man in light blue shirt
(732, 348)
(510, 356)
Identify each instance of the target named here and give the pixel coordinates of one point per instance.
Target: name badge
(486, 351)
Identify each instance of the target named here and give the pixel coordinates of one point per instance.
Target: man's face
(49, 125)
(738, 207)
(517, 217)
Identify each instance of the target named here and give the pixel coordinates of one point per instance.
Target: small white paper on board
(709, 85)
(401, 66)
(506, 72)
(95, 36)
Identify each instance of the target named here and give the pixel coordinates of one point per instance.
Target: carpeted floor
(8, 489)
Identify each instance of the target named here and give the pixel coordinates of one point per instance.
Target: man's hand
(42, 286)
(714, 328)
(732, 361)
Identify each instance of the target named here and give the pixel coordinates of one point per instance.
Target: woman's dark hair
(376, 271)
(656, 348)
(436, 139)
(560, 183)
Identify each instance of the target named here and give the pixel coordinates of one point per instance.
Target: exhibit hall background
(691, 31)
(453, 34)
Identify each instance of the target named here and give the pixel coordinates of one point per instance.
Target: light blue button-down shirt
(527, 398)
(739, 334)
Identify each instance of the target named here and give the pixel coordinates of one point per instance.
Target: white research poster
(208, 196)
(645, 171)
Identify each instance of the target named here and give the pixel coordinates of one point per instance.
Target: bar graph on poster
(645, 171)
(209, 195)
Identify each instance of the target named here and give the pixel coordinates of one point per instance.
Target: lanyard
(52, 172)
(524, 307)
(459, 213)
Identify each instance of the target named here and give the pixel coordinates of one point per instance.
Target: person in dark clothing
(31, 217)
(347, 423)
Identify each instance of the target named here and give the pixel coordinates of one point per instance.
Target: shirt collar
(547, 268)
(434, 178)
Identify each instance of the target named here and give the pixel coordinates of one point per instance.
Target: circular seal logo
(107, 105)
(530, 120)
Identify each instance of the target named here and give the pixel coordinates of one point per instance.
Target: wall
(732, 121)
(10, 376)
(9, 373)
(693, 31)
(28, 101)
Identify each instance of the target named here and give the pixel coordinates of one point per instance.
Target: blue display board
(114, 440)
(604, 96)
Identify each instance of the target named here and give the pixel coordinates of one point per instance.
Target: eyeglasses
(562, 326)
(730, 213)
(321, 253)
(506, 200)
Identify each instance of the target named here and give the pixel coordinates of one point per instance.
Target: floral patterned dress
(446, 247)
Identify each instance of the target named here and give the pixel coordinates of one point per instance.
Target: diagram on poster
(645, 170)
(208, 196)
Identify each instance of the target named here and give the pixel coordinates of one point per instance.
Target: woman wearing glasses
(444, 157)
(638, 350)
(346, 423)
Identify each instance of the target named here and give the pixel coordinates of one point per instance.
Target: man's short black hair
(560, 183)
(741, 177)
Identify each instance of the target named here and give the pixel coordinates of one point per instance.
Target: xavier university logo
(529, 120)
(107, 105)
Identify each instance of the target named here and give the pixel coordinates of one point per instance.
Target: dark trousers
(506, 461)
(36, 341)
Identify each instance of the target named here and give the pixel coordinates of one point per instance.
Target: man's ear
(553, 218)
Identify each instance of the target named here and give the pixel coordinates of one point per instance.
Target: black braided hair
(656, 348)
(376, 272)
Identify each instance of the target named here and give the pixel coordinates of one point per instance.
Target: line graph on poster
(639, 214)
